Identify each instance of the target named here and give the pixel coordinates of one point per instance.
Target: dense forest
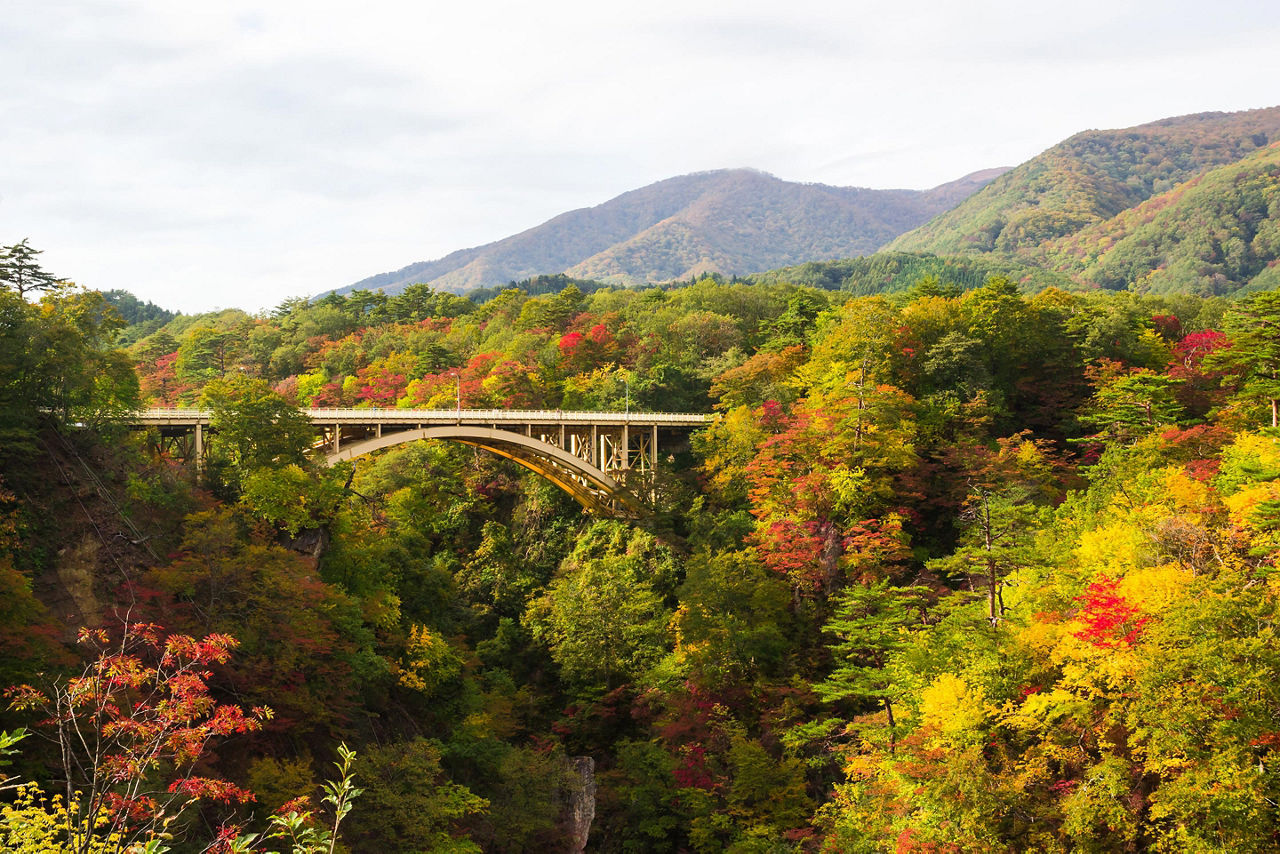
(954, 568)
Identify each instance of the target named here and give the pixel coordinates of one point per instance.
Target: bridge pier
(626, 448)
(199, 452)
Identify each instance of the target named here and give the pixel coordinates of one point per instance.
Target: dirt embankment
(83, 540)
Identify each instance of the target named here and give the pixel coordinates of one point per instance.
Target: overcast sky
(240, 153)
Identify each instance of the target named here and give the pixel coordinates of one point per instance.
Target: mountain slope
(1214, 234)
(730, 221)
(754, 222)
(1089, 178)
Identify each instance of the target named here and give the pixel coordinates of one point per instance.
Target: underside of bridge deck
(593, 488)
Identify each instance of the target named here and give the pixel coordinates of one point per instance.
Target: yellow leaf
(951, 706)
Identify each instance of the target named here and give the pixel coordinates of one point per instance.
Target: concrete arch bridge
(602, 459)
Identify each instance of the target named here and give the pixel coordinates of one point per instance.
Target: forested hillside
(1090, 178)
(948, 571)
(898, 272)
(1214, 234)
(731, 221)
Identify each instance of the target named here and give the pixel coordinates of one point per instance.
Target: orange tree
(129, 731)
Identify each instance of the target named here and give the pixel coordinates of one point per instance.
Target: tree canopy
(954, 568)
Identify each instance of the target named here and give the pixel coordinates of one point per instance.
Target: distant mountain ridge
(1183, 204)
(732, 221)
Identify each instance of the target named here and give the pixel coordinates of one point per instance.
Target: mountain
(1217, 233)
(1090, 178)
(733, 221)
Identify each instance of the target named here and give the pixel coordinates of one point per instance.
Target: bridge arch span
(592, 488)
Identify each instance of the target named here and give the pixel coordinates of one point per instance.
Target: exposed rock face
(582, 802)
(75, 568)
(311, 542)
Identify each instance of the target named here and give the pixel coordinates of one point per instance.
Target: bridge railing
(442, 416)
(547, 416)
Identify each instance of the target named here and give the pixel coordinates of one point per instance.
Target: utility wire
(139, 538)
(66, 478)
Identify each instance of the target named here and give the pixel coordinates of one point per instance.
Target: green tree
(526, 789)
(497, 575)
(20, 271)
(1130, 405)
(601, 617)
(85, 377)
(955, 363)
(207, 353)
(253, 428)
(419, 302)
(57, 358)
(870, 623)
(408, 805)
(731, 624)
(793, 326)
(293, 498)
(1253, 327)
(999, 513)
(367, 307)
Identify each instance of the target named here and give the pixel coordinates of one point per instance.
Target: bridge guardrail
(442, 416)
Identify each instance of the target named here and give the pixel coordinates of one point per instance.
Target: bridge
(599, 458)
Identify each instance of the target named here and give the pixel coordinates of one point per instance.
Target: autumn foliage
(959, 568)
(133, 726)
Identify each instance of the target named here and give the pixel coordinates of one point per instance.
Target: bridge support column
(653, 451)
(337, 438)
(626, 447)
(199, 451)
